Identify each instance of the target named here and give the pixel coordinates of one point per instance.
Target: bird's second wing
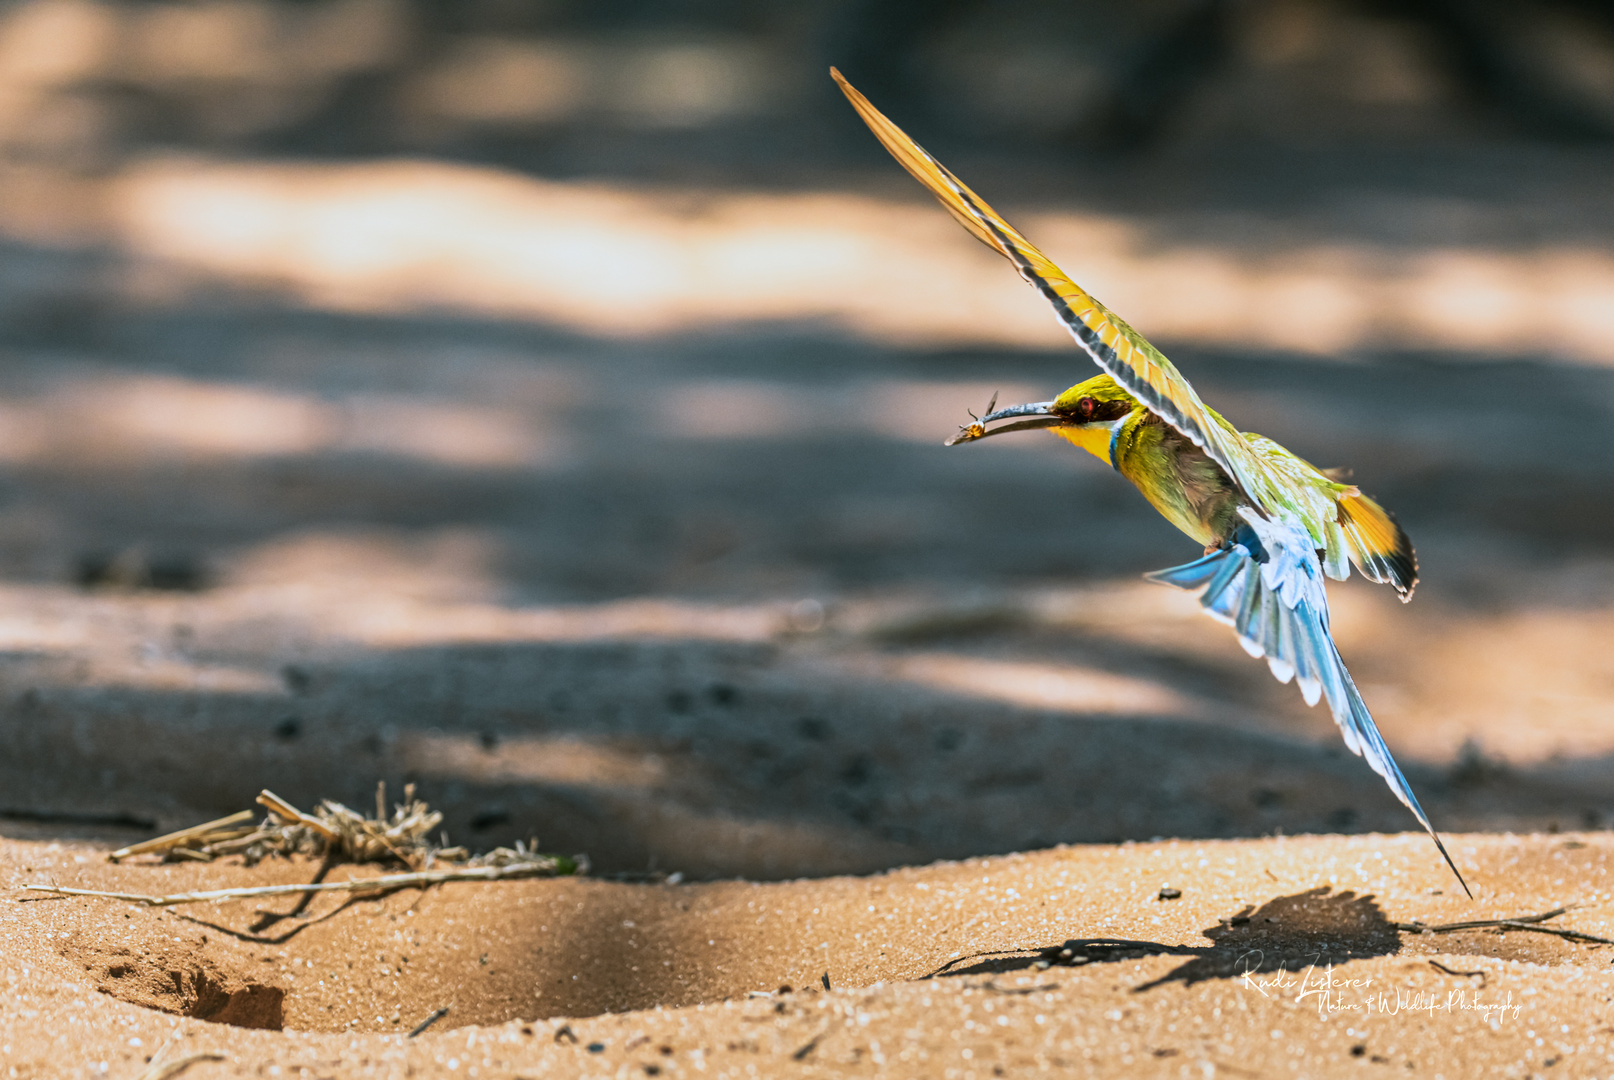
(1377, 544)
(1268, 586)
(1346, 525)
(1118, 349)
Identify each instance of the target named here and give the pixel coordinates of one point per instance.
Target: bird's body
(1178, 478)
(1194, 493)
(1271, 524)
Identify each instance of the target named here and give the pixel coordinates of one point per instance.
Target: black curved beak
(1037, 412)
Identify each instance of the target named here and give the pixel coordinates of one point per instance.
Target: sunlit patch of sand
(379, 589)
(25, 629)
(178, 674)
(444, 566)
(623, 262)
(1060, 687)
(659, 82)
(114, 420)
(1277, 952)
(390, 626)
(446, 432)
(1524, 686)
(388, 620)
(910, 409)
(559, 760)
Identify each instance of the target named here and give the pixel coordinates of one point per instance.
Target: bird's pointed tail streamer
(1267, 585)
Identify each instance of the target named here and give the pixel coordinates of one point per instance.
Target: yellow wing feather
(1378, 547)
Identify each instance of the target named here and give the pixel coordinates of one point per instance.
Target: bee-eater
(1271, 524)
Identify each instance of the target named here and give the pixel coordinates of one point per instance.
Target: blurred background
(542, 402)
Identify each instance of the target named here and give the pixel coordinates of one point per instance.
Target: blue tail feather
(1267, 584)
(1190, 575)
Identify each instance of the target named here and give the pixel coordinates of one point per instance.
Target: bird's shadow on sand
(1287, 933)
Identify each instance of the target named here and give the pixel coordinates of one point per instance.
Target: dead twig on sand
(158, 1069)
(331, 830)
(811, 1045)
(167, 1069)
(540, 866)
(436, 1015)
(210, 832)
(294, 816)
(1438, 966)
(336, 834)
(1519, 922)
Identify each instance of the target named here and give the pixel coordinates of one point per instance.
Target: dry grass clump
(338, 834)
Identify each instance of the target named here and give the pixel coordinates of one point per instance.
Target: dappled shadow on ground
(413, 549)
(194, 444)
(767, 759)
(712, 759)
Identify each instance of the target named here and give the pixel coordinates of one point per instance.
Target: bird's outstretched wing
(1267, 585)
(1121, 351)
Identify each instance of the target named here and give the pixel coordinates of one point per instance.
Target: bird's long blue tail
(1267, 585)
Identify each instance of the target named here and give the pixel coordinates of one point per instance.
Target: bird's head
(1087, 414)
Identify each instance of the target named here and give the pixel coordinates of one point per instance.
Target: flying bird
(1272, 525)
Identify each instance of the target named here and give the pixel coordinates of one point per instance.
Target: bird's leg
(1215, 546)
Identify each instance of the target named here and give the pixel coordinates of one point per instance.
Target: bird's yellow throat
(1094, 438)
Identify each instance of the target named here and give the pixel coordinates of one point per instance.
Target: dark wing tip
(1379, 546)
(1402, 562)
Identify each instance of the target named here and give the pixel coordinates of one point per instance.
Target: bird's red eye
(1085, 406)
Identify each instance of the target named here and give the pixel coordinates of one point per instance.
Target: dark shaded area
(138, 569)
(589, 758)
(70, 817)
(716, 92)
(1487, 46)
(1149, 63)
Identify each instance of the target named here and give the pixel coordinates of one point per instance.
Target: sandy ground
(1269, 963)
(703, 595)
(734, 656)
